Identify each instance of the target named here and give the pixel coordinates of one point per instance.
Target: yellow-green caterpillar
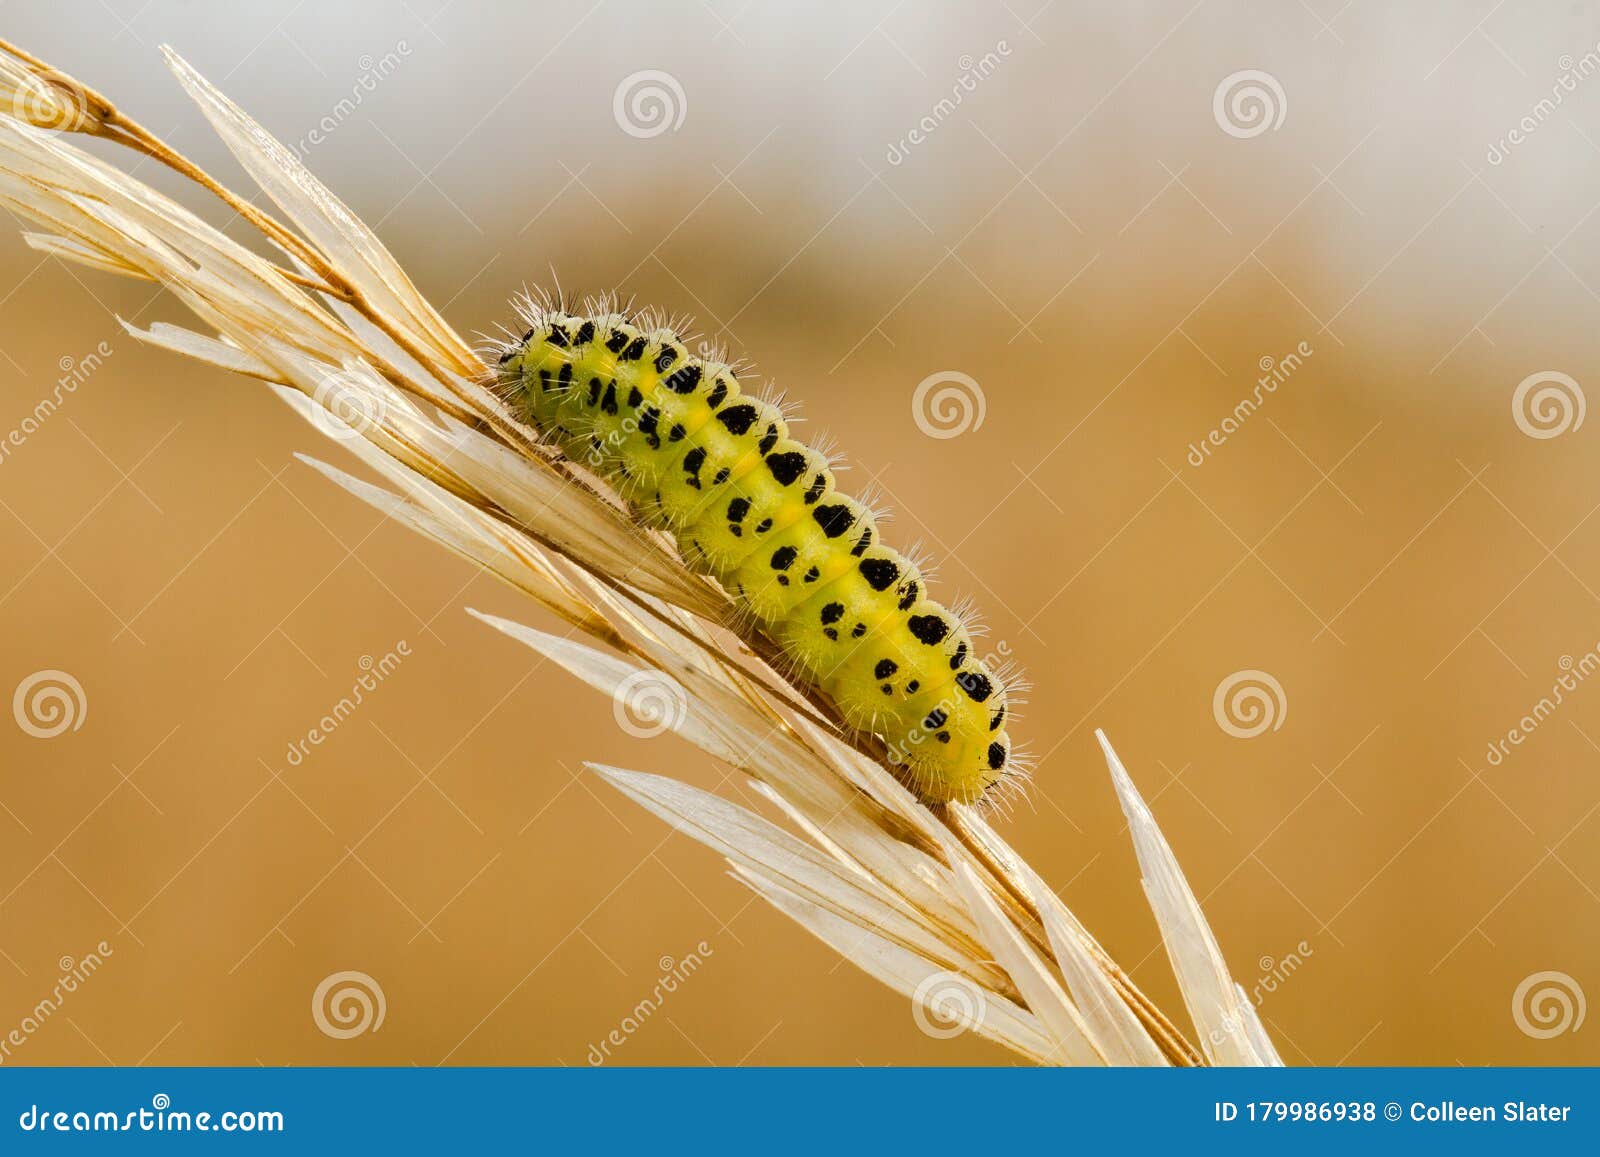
(758, 511)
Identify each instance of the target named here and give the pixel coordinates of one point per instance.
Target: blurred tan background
(1112, 249)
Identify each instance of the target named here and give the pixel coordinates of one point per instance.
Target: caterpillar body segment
(759, 511)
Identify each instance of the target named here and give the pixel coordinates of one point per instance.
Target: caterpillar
(695, 455)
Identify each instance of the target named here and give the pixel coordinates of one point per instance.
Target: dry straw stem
(933, 903)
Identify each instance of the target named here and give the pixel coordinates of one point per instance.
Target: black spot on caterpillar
(786, 467)
(758, 511)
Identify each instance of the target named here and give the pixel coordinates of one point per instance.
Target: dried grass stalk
(932, 902)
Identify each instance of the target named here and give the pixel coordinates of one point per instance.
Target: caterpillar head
(970, 774)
